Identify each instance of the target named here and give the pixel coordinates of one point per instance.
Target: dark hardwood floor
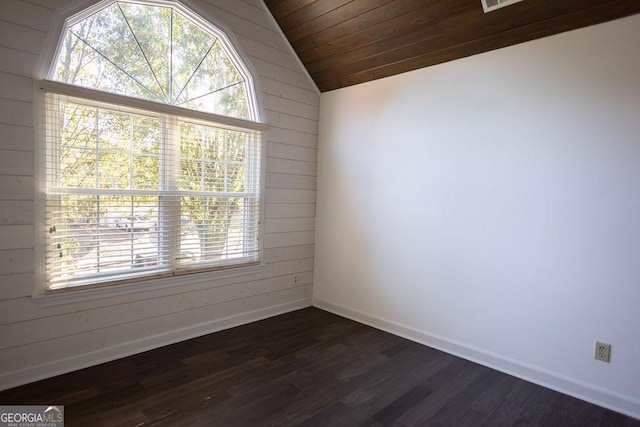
(307, 367)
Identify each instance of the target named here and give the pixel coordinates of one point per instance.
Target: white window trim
(45, 297)
(210, 278)
(143, 104)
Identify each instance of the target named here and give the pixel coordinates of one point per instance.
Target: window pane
(79, 126)
(237, 146)
(123, 149)
(108, 35)
(79, 64)
(77, 167)
(212, 159)
(216, 86)
(241, 232)
(235, 178)
(191, 43)
(190, 141)
(213, 174)
(230, 101)
(114, 131)
(113, 170)
(215, 229)
(145, 175)
(191, 175)
(213, 142)
(102, 234)
(202, 149)
(156, 53)
(93, 234)
(152, 27)
(146, 135)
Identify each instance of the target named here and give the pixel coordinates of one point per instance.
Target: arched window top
(158, 51)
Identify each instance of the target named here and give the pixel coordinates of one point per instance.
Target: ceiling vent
(491, 5)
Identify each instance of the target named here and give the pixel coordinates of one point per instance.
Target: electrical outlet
(295, 278)
(603, 351)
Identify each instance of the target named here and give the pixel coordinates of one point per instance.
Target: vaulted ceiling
(346, 42)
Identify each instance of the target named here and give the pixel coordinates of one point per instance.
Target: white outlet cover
(603, 352)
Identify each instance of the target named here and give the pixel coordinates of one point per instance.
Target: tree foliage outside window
(155, 53)
(132, 193)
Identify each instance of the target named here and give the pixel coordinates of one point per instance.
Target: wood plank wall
(346, 42)
(35, 341)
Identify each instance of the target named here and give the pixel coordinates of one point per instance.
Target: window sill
(73, 295)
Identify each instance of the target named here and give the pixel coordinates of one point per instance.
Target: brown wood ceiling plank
(414, 20)
(273, 3)
(332, 20)
(452, 30)
(554, 25)
(310, 12)
(287, 7)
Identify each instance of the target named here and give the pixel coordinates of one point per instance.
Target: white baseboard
(620, 403)
(63, 366)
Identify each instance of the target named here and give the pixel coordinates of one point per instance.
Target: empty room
(319, 212)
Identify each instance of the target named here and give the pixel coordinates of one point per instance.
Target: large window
(152, 160)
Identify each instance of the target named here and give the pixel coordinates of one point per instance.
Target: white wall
(490, 206)
(37, 342)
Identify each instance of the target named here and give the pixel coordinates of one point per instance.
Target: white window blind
(143, 176)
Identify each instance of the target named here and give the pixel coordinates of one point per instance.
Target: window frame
(198, 277)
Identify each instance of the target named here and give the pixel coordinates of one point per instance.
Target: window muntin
(134, 193)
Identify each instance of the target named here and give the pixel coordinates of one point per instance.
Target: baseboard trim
(85, 360)
(572, 387)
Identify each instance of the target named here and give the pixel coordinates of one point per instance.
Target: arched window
(152, 160)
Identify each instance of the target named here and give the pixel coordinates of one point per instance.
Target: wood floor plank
(487, 401)
(402, 404)
(307, 367)
(540, 405)
(455, 407)
(339, 414)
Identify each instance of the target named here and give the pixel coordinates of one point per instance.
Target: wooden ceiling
(346, 42)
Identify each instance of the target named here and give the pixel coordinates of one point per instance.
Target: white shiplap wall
(37, 342)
